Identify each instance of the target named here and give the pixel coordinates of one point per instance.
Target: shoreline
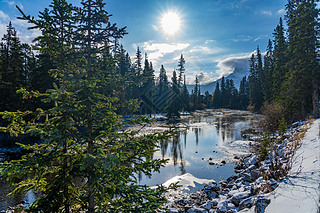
(248, 191)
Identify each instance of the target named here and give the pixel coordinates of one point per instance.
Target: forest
(73, 87)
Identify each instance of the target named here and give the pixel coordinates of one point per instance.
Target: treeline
(286, 81)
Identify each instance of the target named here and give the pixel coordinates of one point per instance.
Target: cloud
(159, 50)
(4, 21)
(25, 35)
(261, 37)
(266, 12)
(281, 12)
(242, 38)
(228, 65)
(209, 41)
(3, 16)
(10, 3)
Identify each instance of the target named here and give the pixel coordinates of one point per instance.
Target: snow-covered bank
(253, 188)
(300, 191)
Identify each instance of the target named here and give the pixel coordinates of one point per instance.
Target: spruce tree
(216, 98)
(280, 60)
(181, 69)
(80, 134)
(300, 91)
(12, 72)
(268, 69)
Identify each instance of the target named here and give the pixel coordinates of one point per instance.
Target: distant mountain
(236, 76)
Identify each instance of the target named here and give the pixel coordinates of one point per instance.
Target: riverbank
(250, 190)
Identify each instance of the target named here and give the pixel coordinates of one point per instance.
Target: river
(202, 150)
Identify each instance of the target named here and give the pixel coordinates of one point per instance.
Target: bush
(273, 116)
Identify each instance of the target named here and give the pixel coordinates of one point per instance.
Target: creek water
(203, 149)
(196, 153)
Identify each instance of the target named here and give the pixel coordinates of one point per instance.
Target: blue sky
(215, 35)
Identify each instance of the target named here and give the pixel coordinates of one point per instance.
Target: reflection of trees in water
(197, 131)
(226, 127)
(176, 150)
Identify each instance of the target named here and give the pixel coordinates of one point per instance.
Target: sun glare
(170, 23)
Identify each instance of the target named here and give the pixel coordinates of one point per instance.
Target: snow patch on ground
(300, 192)
(186, 180)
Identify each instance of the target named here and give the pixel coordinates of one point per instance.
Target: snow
(300, 191)
(187, 180)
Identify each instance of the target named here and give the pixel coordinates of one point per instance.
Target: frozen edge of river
(297, 192)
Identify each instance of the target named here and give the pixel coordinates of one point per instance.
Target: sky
(214, 36)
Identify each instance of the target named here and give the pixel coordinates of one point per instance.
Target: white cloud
(266, 12)
(25, 35)
(260, 37)
(10, 3)
(3, 16)
(4, 21)
(281, 11)
(157, 51)
(209, 41)
(242, 38)
(227, 65)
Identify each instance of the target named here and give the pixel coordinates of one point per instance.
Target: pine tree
(80, 133)
(185, 97)
(267, 73)
(138, 62)
(300, 91)
(216, 98)
(181, 69)
(244, 93)
(255, 79)
(174, 101)
(13, 75)
(223, 92)
(280, 60)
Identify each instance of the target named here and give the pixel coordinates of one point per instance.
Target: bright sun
(170, 23)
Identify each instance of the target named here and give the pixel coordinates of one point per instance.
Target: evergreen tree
(268, 68)
(216, 98)
(81, 138)
(255, 79)
(300, 92)
(244, 93)
(174, 101)
(223, 92)
(185, 96)
(280, 60)
(138, 62)
(13, 75)
(181, 69)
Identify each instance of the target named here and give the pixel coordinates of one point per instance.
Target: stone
(213, 195)
(255, 174)
(197, 210)
(211, 187)
(251, 161)
(222, 206)
(207, 205)
(173, 210)
(238, 197)
(247, 177)
(215, 202)
(261, 204)
(246, 203)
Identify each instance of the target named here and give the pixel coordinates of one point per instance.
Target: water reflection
(191, 148)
